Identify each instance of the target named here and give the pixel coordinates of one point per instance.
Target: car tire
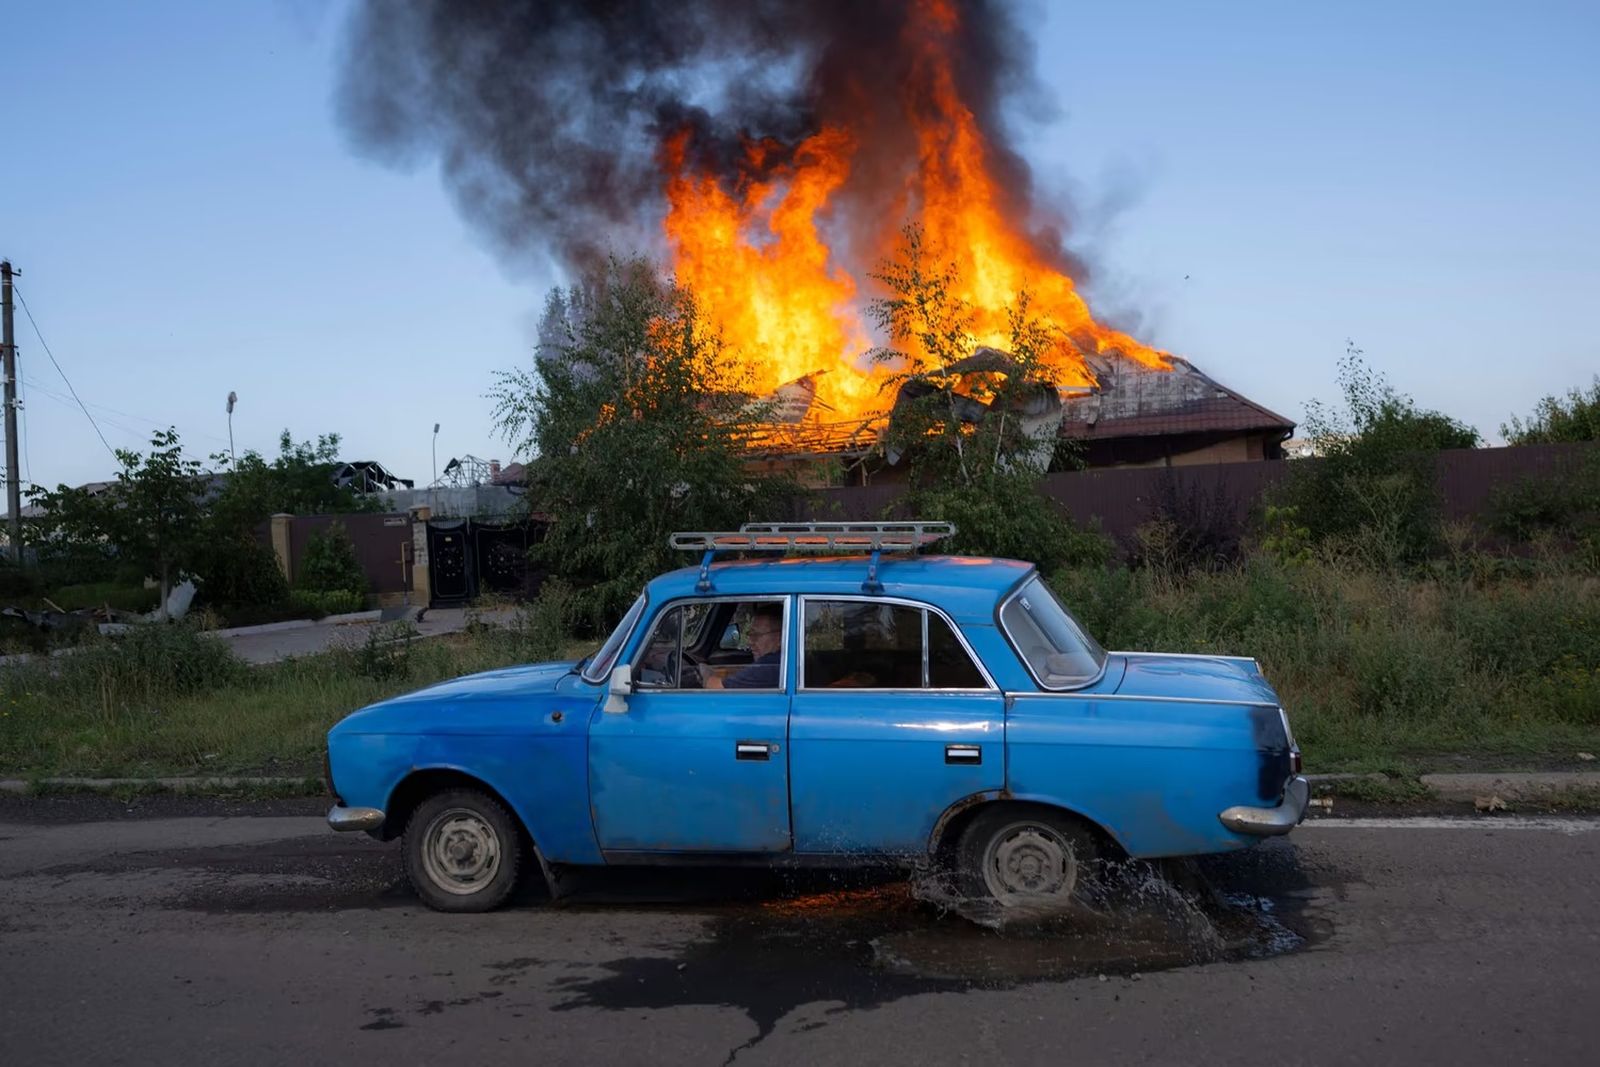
(463, 851)
(1024, 855)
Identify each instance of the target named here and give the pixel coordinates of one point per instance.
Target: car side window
(949, 665)
(858, 644)
(742, 650)
(662, 663)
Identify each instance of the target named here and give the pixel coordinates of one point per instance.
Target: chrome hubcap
(460, 851)
(1029, 860)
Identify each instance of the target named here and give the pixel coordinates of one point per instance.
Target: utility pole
(8, 340)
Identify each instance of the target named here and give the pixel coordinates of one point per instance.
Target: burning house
(773, 152)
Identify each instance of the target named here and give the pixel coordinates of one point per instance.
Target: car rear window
(861, 644)
(1050, 641)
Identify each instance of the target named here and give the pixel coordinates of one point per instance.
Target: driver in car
(766, 645)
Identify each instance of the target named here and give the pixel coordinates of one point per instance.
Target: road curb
(174, 784)
(297, 624)
(1509, 785)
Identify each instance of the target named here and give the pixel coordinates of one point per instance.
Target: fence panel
(1121, 499)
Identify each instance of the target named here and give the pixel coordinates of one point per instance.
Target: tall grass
(1377, 669)
(171, 700)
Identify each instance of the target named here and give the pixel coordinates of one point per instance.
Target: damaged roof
(1133, 400)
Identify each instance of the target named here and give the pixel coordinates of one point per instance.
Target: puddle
(856, 942)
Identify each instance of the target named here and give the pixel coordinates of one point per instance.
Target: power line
(106, 410)
(61, 372)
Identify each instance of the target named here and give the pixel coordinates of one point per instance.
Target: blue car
(874, 704)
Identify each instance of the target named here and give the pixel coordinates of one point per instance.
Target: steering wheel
(686, 672)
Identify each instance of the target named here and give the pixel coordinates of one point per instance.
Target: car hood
(522, 681)
(1195, 677)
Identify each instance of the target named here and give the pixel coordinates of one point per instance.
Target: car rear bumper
(343, 818)
(1268, 822)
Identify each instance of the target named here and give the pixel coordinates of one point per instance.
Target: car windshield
(600, 666)
(1051, 642)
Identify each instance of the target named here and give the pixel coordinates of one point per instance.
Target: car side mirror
(620, 689)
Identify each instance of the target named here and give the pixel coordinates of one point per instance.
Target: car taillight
(1295, 764)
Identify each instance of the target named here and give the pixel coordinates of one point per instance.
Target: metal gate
(468, 557)
(448, 559)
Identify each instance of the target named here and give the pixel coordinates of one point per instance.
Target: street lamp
(233, 398)
(436, 454)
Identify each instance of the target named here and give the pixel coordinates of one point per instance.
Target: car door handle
(968, 754)
(753, 750)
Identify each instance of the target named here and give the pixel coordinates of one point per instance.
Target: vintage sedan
(884, 707)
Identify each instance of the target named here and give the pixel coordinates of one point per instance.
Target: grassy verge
(128, 711)
(1404, 675)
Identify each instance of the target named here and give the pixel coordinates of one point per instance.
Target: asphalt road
(211, 934)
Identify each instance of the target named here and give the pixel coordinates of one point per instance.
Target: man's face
(766, 635)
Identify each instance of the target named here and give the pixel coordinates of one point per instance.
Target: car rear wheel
(1025, 856)
(463, 851)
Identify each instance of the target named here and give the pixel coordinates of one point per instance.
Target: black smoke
(547, 116)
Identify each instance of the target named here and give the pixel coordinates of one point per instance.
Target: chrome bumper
(1268, 822)
(343, 818)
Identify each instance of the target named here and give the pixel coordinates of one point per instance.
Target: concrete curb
(1509, 785)
(176, 785)
(262, 628)
(298, 624)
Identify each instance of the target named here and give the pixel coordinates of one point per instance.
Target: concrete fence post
(421, 584)
(280, 544)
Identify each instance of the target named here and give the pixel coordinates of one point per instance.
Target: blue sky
(1256, 183)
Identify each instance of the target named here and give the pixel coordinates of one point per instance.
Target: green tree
(330, 563)
(1574, 417)
(1373, 486)
(635, 416)
(150, 517)
(299, 481)
(973, 423)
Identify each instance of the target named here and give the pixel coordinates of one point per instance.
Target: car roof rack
(872, 538)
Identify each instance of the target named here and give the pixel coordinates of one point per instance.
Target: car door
(691, 769)
(893, 721)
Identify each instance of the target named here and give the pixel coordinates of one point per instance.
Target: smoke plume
(550, 117)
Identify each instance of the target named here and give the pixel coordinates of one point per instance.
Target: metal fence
(1123, 498)
(382, 545)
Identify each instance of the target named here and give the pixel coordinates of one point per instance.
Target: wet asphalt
(211, 932)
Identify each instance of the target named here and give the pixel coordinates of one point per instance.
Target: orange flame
(756, 256)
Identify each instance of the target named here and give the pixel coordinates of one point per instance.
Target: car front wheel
(1025, 856)
(463, 852)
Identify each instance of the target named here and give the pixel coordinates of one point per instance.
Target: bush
(386, 653)
(1190, 528)
(308, 603)
(134, 598)
(1010, 518)
(1372, 492)
(1574, 417)
(1563, 504)
(330, 563)
(542, 631)
(239, 571)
